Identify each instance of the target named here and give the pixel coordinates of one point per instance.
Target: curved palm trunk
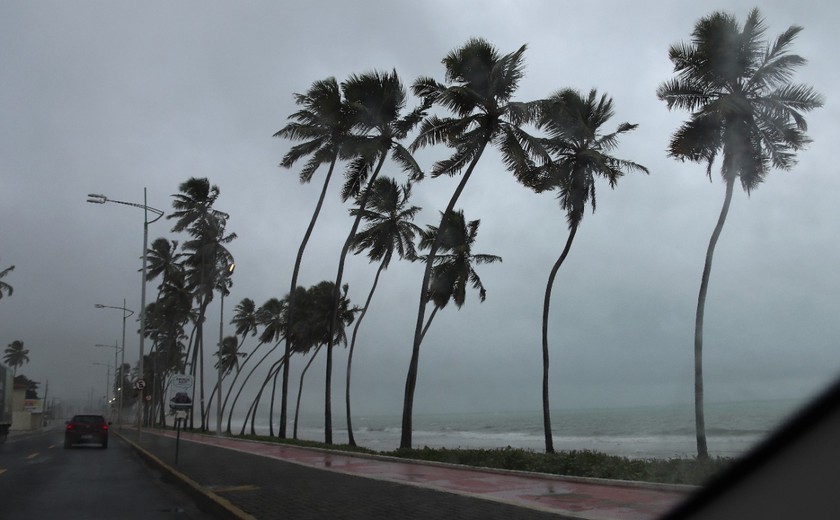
(291, 300)
(233, 383)
(337, 296)
(429, 323)
(699, 415)
(411, 378)
(549, 440)
(242, 387)
(300, 389)
(350, 439)
(252, 409)
(271, 405)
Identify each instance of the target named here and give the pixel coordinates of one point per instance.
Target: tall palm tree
(205, 254)
(481, 85)
(377, 99)
(389, 229)
(324, 124)
(15, 355)
(453, 270)
(5, 287)
(572, 155)
(744, 107)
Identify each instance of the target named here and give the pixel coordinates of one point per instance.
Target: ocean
(638, 432)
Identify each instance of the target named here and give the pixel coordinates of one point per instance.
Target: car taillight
(104, 426)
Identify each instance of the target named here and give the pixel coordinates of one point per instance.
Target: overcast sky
(111, 97)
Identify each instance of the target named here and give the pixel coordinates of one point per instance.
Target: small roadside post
(180, 415)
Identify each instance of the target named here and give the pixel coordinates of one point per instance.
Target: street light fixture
(97, 198)
(127, 313)
(227, 274)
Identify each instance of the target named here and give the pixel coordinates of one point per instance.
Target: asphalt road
(41, 479)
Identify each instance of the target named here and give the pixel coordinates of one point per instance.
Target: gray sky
(112, 97)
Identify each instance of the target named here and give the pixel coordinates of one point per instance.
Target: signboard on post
(180, 392)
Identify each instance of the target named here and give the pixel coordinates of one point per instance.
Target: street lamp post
(227, 274)
(127, 313)
(96, 198)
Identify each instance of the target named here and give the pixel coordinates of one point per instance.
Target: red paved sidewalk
(578, 498)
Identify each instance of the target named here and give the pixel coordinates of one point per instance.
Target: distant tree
(482, 83)
(229, 362)
(30, 385)
(388, 229)
(5, 287)
(744, 107)
(15, 355)
(572, 155)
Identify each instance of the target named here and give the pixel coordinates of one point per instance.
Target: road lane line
(2, 471)
(32, 456)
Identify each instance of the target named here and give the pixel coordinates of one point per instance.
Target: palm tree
(205, 254)
(389, 229)
(4, 287)
(482, 83)
(272, 317)
(377, 99)
(453, 270)
(744, 107)
(326, 327)
(164, 260)
(572, 155)
(15, 355)
(229, 361)
(324, 124)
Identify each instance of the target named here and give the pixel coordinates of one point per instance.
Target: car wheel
(104, 444)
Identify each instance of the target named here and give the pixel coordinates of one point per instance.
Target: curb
(210, 500)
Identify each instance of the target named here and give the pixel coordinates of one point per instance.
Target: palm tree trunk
(242, 387)
(350, 439)
(549, 439)
(411, 378)
(271, 405)
(429, 323)
(233, 383)
(699, 414)
(291, 299)
(300, 389)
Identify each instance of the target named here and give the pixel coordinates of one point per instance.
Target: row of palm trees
(743, 108)
(736, 84)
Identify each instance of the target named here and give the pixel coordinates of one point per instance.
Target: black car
(86, 429)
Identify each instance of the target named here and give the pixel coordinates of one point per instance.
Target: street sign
(140, 384)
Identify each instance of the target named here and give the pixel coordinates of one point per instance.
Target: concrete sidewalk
(249, 479)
